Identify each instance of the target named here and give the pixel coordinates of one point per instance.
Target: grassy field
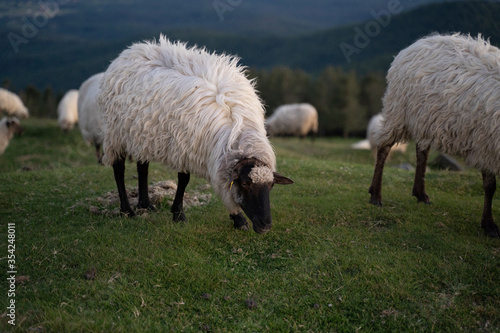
(331, 263)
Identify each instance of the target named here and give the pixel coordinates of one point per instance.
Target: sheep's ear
(282, 180)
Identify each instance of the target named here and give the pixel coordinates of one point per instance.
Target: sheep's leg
(142, 173)
(98, 153)
(489, 186)
(119, 171)
(240, 222)
(376, 186)
(178, 205)
(419, 183)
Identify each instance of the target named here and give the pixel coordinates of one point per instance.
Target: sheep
(195, 112)
(11, 105)
(362, 145)
(293, 119)
(90, 113)
(443, 93)
(8, 127)
(374, 125)
(67, 112)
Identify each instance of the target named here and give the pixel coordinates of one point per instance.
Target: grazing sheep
(293, 119)
(195, 112)
(12, 105)
(8, 127)
(443, 93)
(374, 125)
(362, 145)
(67, 112)
(90, 113)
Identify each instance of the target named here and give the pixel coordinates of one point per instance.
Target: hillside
(64, 60)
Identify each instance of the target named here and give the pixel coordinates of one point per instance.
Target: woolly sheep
(8, 127)
(362, 145)
(67, 112)
(196, 112)
(374, 125)
(443, 93)
(90, 113)
(12, 105)
(293, 119)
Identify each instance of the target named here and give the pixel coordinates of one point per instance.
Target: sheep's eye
(245, 185)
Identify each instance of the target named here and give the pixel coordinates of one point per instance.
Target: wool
(443, 92)
(90, 113)
(293, 119)
(261, 175)
(12, 105)
(193, 111)
(67, 110)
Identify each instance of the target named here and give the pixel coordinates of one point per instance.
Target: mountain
(67, 41)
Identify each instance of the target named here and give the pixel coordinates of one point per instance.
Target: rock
(251, 304)
(91, 274)
(445, 162)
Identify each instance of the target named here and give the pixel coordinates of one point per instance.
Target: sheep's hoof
(149, 207)
(243, 227)
(128, 213)
(179, 216)
(491, 229)
(421, 197)
(240, 222)
(376, 201)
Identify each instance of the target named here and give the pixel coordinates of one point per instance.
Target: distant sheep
(196, 112)
(90, 113)
(374, 125)
(443, 92)
(67, 112)
(362, 145)
(293, 119)
(8, 127)
(11, 105)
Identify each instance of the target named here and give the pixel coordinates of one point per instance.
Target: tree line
(345, 101)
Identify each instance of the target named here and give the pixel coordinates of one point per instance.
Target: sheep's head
(251, 182)
(14, 126)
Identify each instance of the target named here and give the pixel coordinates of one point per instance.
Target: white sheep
(90, 113)
(293, 119)
(374, 125)
(196, 112)
(8, 127)
(362, 145)
(11, 104)
(443, 93)
(67, 113)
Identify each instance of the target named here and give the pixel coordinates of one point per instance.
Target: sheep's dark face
(252, 182)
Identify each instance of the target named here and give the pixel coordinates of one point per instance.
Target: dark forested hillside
(340, 71)
(54, 54)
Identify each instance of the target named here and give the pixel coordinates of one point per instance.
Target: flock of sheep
(196, 112)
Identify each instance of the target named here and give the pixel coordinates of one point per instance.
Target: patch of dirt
(109, 203)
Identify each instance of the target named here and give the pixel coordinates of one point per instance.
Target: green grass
(331, 263)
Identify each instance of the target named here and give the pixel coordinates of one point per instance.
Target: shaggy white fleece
(90, 113)
(12, 105)
(293, 119)
(192, 110)
(444, 92)
(67, 110)
(261, 175)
